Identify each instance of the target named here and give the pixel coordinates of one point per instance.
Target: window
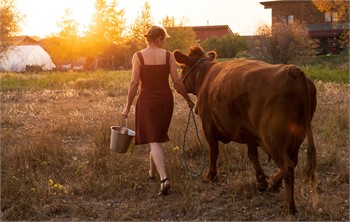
(331, 17)
(287, 19)
(335, 17)
(283, 19)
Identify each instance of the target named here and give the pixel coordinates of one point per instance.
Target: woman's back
(154, 56)
(155, 68)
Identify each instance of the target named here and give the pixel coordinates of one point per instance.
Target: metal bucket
(121, 138)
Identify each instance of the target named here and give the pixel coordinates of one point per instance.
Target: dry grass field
(56, 163)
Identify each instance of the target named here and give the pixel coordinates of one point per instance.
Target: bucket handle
(123, 125)
(124, 122)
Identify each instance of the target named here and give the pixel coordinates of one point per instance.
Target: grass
(58, 80)
(56, 163)
(325, 68)
(326, 74)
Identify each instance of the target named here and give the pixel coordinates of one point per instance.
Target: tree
(142, 23)
(339, 6)
(10, 20)
(227, 46)
(108, 27)
(180, 37)
(69, 38)
(283, 42)
(68, 26)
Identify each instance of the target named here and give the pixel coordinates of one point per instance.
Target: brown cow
(257, 104)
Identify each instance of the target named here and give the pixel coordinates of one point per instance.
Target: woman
(151, 67)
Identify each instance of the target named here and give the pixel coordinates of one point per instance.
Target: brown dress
(154, 107)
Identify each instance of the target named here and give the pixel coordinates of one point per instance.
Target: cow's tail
(309, 171)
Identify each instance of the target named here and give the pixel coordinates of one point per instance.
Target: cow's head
(193, 65)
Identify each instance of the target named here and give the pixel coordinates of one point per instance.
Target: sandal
(164, 187)
(151, 178)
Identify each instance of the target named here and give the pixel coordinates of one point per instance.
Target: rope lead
(199, 141)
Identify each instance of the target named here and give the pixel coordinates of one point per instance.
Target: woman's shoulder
(148, 50)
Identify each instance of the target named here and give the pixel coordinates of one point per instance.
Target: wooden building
(324, 26)
(204, 32)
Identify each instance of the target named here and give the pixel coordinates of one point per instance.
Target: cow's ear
(212, 55)
(180, 57)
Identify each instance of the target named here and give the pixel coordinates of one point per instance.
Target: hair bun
(154, 32)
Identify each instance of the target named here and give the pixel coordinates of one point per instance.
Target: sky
(242, 16)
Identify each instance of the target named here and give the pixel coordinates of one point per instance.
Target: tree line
(109, 43)
(107, 39)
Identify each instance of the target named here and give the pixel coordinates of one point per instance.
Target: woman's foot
(164, 187)
(151, 176)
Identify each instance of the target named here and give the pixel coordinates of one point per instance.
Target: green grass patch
(326, 74)
(334, 68)
(327, 68)
(60, 80)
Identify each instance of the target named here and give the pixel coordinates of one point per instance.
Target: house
(22, 40)
(204, 32)
(325, 27)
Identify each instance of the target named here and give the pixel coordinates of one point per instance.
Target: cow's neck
(200, 76)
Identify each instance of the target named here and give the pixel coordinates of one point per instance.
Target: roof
(204, 32)
(268, 4)
(23, 40)
(325, 33)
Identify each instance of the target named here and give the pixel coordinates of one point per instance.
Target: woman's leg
(151, 166)
(157, 156)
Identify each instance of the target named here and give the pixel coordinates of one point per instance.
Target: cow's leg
(214, 154)
(288, 176)
(259, 172)
(276, 181)
(211, 136)
(286, 165)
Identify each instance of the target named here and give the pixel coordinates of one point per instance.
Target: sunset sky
(243, 16)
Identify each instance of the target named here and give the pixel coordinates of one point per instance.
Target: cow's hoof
(293, 211)
(276, 187)
(262, 187)
(212, 176)
(262, 183)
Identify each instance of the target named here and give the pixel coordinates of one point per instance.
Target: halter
(192, 67)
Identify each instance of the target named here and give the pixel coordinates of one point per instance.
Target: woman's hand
(125, 112)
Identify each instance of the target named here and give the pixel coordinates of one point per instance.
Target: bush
(226, 47)
(282, 42)
(181, 38)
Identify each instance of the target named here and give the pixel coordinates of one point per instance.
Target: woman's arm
(179, 86)
(133, 86)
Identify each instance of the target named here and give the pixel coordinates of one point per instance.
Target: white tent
(18, 57)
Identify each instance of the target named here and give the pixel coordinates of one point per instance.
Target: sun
(41, 16)
(82, 14)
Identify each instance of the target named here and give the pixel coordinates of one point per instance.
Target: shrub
(226, 47)
(282, 42)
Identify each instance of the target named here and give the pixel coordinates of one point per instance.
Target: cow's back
(247, 97)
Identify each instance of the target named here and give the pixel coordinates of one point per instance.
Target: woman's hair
(154, 32)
